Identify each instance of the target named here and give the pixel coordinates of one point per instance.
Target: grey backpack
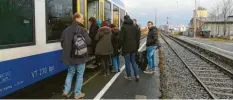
(79, 45)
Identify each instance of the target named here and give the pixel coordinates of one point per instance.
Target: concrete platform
(222, 48)
(147, 88)
(94, 83)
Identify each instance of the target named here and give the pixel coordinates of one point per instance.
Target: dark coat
(92, 33)
(137, 26)
(152, 38)
(104, 45)
(116, 42)
(129, 37)
(67, 40)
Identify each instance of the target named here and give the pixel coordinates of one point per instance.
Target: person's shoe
(81, 95)
(128, 78)
(119, 70)
(148, 72)
(65, 95)
(137, 79)
(105, 74)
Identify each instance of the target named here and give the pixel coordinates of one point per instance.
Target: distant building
(182, 28)
(163, 27)
(214, 26)
(201, 12)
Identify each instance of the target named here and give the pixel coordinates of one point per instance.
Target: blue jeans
(116, 62)
(79, 78)
(151, 57)
(131, 59)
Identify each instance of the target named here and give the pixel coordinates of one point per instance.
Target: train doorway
(95, 8)
(92, 9)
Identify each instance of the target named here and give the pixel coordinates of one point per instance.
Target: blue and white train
(30, 31)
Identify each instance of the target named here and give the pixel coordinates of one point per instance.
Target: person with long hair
(93, 30)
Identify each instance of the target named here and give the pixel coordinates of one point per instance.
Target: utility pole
(195, 19)
(155, 16)
(167, 26)
(177, 3)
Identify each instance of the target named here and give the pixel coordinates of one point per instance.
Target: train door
(101, 10)
(108, 11)
(82, 8)
(95, 8)
(116, 16)
(92, 9)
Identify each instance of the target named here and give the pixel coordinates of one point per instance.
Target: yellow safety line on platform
(87, 81)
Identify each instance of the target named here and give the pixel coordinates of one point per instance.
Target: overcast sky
(144, 10)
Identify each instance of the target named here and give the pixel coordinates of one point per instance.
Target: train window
(107, 11)
(115, 15)
(59, 17)
(16, 23)
(93, 9)
(122, 14)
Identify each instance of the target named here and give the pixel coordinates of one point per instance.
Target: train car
(30, 31)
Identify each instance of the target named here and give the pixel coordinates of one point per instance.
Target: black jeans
(104, 59)
(97, 59)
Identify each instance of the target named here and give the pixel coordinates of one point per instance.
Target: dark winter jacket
(116, 42)
(137, 26)
(129, 37)
(152, 38)
(92, 33)
(67, 40)
(104, 45)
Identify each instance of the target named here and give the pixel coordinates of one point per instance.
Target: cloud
(145, 10)
(143, 14)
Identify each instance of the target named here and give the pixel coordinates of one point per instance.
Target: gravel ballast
(180, 82)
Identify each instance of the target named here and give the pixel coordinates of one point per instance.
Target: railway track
(214, 78)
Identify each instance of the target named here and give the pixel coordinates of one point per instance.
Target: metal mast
(195, 18)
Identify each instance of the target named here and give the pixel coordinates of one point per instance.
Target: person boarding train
(104, 47)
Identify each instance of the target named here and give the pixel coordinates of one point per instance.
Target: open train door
(101, 10)
(92, 9)
(82, 8)
(95, 8)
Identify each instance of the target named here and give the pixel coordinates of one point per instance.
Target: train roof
(119, 2)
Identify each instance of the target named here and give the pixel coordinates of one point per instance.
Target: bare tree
(227, 10)
(218, 8)
(215, 13)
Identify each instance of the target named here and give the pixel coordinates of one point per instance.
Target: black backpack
(141, 60)
(79, 45)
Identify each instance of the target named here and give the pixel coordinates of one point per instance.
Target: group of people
(108, 42)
